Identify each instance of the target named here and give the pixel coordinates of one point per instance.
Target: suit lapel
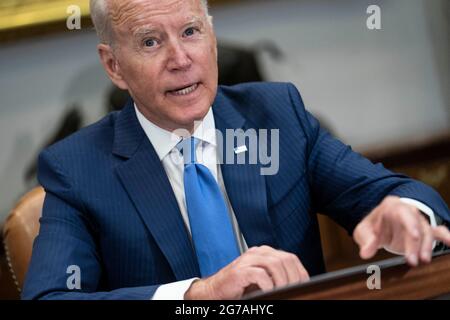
(245, 186)
(148, 186)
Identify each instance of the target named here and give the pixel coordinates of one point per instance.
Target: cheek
(145, 79)
(208, 62)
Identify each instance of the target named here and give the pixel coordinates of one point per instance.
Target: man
(137, 224)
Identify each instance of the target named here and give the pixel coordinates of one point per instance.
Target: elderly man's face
(165, 55)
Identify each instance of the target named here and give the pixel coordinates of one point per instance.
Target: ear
(111, 65)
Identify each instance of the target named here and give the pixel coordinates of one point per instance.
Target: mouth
(184, 91)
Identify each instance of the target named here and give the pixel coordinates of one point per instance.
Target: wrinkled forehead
(128, 15)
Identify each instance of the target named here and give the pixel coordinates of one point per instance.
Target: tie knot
(187, 148)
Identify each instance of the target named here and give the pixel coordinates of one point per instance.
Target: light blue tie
(214, 240)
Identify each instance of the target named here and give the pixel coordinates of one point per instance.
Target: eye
(190, 32)
(150, 43)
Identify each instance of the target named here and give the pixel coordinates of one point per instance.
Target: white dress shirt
(165, 143)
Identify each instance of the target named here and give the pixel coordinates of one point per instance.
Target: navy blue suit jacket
(110, 208)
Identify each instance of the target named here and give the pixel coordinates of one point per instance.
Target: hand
(398, 227)
(261, 268)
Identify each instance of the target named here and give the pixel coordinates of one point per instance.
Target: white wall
(39, 80)
(372, 87)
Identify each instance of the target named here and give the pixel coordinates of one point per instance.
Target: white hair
(100, 19)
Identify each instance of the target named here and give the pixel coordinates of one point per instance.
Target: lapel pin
(240, 149)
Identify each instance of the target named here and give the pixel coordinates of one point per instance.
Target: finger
(268, 260)
(288, 268)
(367, 239)
(427, 242)
(276, 268)
(304, 275)
(294, 268)
(370, 248)
(442, 234)
(259, 277)
(412, 235)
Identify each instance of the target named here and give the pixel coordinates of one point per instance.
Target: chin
(195, 113)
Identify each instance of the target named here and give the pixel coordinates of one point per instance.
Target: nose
(178, 58)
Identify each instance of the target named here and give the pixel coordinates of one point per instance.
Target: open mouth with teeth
(184, 90)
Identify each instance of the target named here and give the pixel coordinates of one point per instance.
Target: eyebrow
(193, 20)
(149, 30)
(145, 31)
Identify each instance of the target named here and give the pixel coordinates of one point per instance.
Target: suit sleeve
(67, 239)
(345, 185)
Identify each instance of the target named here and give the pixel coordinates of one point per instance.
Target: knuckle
(390, 202)
(403, 210)
(293, 259)
(252, 249)
(275, 261)
(389, 199)
(415, 234)
(398, 213)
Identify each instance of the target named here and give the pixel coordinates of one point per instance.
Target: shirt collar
(164, 141)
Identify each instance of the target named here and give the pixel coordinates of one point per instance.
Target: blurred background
(385, 92)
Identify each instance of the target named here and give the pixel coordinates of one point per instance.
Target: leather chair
(19, 232)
